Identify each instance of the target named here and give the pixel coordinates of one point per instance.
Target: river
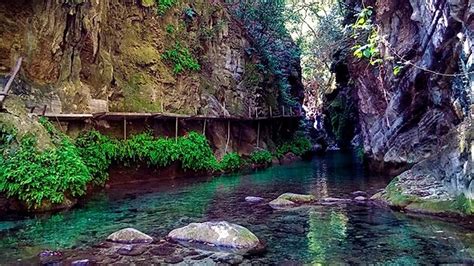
(323, 234)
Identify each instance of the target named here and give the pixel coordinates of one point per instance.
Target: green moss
(396, 197)
(139, 96)
(464, 204)
(460, 205)
(148, 3)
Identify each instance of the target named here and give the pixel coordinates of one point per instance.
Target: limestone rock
(129, 236)
(220, 234)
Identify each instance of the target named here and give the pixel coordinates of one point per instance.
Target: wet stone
(359, 193)
(84, 262)
(129, 236)
(201, 257)
(360, 198)
(231, 259)
(252, 199)
(163, 250)
(132, 250)
(103, 245)
(174, 259)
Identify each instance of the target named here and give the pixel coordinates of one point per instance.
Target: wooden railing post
(15, 71)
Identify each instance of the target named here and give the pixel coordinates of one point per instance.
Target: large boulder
(129, 236)
(220, 234)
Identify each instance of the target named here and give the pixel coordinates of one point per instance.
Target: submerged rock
(280, 203)
(297, 198)
(132, 250)
(360, 198)
(287, 200)
(220, 234)
(129, 236)
(254, 199)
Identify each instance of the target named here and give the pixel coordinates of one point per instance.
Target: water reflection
(327, 231)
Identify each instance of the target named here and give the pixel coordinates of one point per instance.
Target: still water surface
(329, 234)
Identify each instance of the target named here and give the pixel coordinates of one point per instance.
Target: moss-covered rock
(221, 234)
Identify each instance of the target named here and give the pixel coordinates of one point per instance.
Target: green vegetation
(366, 36)
(261, 157)
(299, 146)
(65, 169)
(34, 177)
(181, 58)
(231, 162)
(164, 5)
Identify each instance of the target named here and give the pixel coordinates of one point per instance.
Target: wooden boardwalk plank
(118, 116)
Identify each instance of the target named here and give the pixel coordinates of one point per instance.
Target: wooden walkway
(117, 116)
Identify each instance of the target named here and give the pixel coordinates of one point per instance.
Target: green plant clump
(181, 58)
(164, 5)
(97, 151)
(231, 162)
(298, 146)
(261, 157)
(33, 176)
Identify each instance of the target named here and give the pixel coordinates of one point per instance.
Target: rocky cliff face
(421, 116)
(89, 56)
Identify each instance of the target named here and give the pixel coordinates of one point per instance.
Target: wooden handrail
(16, 69)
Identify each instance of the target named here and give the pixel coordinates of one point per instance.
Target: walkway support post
(125, 128)
(258, 134)
(176, 130)
(204, 127)
(14, 72)
(228, 137)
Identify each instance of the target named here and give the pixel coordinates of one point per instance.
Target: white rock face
(221, 234)
(129, 236)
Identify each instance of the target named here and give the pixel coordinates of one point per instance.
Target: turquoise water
(329, 234)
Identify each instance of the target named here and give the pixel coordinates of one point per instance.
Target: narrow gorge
(231, 132)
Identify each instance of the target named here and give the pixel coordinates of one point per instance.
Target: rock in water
(288, 200)
(220, 234)
(281, 203)
(297, 198)
(253, 199)
(129, 236)
(360, 198)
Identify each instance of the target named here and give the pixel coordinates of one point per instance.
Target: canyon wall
(422, 115)
(83, 56)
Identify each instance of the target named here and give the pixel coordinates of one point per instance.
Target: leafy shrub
(164, 5)
(298, 146)
(97, 151)
(195, 153)
(33, 176)
(181, 58)
(261, 157)
(231, 162)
